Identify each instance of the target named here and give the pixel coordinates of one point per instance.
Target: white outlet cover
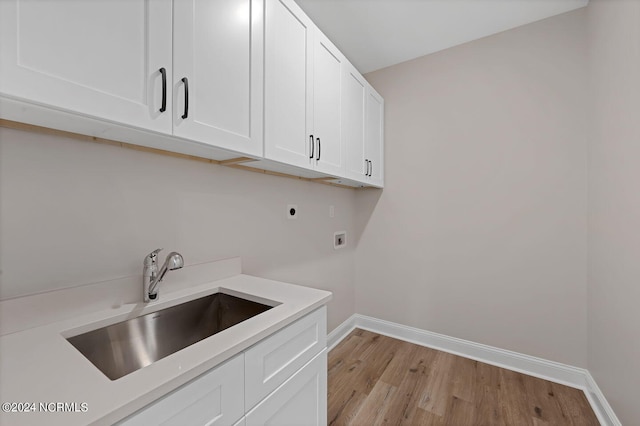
(292, 211)
(339, 239)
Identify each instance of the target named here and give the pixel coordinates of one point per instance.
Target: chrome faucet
(151, 277)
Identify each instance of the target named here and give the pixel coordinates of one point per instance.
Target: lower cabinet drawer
(215, 398)
(270, 362)
(300, 401)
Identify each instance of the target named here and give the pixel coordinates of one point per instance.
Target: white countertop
(38, 365)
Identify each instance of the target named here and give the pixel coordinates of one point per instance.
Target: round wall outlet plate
(292, 211)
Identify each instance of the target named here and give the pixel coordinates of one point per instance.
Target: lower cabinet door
(214, 399)
(299, 401)
(271, 362)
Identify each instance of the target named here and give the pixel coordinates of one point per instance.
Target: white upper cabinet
(209, 78)
(327, 91)
(303, 87)
(354, 101)
(288, 83)
(135, 62)
(363, 129)
(374, 138)
(218, 83)
(73, 56)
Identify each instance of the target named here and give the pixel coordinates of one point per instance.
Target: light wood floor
(375, 379)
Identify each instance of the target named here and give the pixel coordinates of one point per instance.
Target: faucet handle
(152, 257)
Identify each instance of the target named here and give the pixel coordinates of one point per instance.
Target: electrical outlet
(339, 239)
(292, 211)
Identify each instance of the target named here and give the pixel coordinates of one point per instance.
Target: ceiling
(375, 34)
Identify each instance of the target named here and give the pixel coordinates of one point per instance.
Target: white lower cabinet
(281, 380)
(271, 362)
(214, 399)
(300, 401)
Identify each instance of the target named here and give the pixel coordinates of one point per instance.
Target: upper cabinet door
(100, 58)
(354, 98)
(288, 79)
(328, 63)
(374, 136)
(218, 80)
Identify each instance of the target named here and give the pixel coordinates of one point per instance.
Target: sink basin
(124, 347)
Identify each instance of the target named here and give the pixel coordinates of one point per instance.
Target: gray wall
(74, 213)
(614, 204)
(480, 232)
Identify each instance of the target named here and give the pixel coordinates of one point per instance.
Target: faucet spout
(151, 275)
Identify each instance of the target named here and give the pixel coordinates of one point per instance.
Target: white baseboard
(549, 370)
(340, 332)
(599, 403)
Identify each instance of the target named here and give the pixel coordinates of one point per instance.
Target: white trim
(548, 370)
(340, 332)
(599, 403)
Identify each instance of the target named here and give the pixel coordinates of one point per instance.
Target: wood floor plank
(413, 389)
(464, 378)
(378, 380)
(513, 399)
(374, 362)
(404, 352)
(541, 398)
(460, 412)
(355, 370)
(422, 417)
(347, 346)
(487, 400)
(573, 406)
(344, 407)
(438, 389)
(373, 411)
(487, 407)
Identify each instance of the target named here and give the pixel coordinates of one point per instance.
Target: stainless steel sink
(124, 347)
